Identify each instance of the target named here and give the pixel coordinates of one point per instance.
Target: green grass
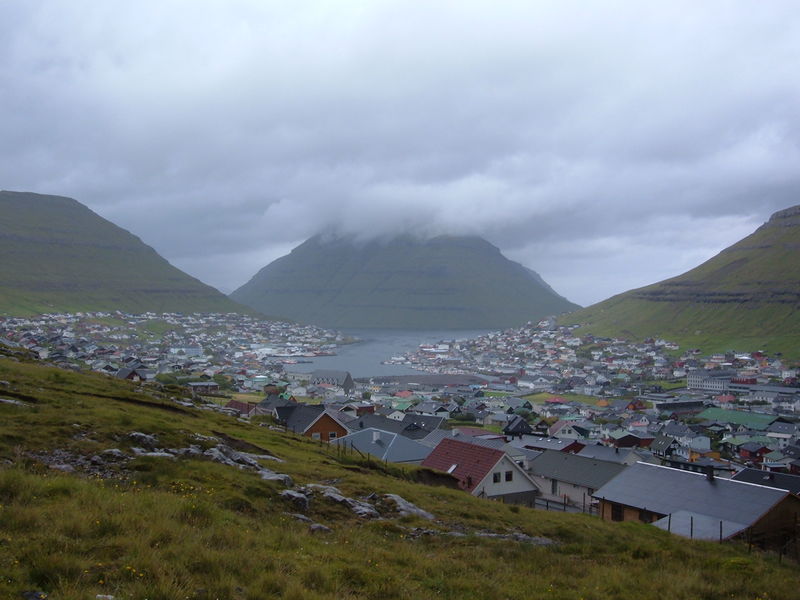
(195, 529)
(745, 298)
(541, 397)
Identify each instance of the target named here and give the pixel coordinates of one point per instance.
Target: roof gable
(575, 469)
(469, 463)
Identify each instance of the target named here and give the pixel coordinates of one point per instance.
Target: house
(315, 422)
(623, 456)
(385, 445)
(244, 409)
(483, 472)
(782, 481)
(782, 432)
(735, 419)
(517, 427)
(412, 426)
(700, 505)
(664, 446)
(571, 478)
(432, 409)
(268, 405)
(544, 443)
(341, 379)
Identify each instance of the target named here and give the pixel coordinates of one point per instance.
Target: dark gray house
(698, 505)
(342, 379)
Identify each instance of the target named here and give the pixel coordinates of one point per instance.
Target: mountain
(746, 297)
(448, 282)
(60, 256)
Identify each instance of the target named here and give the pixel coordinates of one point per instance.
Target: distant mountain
(57, 255)
(447, 282)
(746, 297)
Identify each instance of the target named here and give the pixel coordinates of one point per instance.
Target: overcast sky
(606, 145)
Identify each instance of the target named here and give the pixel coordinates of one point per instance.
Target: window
(331, 435)
(554, 487)
(509, 475)
(315, 436)
(496, 477)
(617, 512)
(645, 516)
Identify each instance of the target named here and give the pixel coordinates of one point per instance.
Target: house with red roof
(483, 471)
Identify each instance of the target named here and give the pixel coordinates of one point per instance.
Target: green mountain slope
(137, 527)
(57, 255)
(746, 297)
(443, 283)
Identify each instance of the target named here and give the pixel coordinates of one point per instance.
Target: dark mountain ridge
(446, 282)
(60, 256)
(747, 296)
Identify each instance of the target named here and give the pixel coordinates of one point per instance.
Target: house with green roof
(738, 418)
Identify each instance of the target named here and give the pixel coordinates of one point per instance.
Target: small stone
(283, 478)
(63, 467)
(114, 454)
(144, 439)
(404, 507)
(319, 528)
(322, 489)
(299, 517)
(299, 499)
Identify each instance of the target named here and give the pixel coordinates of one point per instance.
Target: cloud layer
(606, 145)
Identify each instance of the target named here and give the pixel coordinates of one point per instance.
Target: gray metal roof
(664, 490)
(782, 481)
(385, 445)
(571, 468)
(698, 526)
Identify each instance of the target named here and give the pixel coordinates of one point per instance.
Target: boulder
(143, 439)
(299, 499)
(404, 507)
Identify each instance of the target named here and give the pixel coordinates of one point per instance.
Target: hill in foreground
(59, 256)
(91, 504)
(745, 298)
(447, 282)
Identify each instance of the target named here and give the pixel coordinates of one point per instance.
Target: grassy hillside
(58, 256)
(161, 528)
(444, 283)
(746, 297)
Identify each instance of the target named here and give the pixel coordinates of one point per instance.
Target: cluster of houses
(139, 347)
(529, 415)
(682, 461)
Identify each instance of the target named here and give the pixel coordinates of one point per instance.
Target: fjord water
(364, 358)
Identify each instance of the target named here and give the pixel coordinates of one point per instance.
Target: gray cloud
(605, 145)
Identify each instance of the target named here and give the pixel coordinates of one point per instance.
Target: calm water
(364, 359)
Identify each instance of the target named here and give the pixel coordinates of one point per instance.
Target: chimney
(710, 473)
(455, 432)
(376, 436)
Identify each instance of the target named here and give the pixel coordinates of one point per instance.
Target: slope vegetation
(746, 297)
(83, 512)
(60, 256)
(405, 283)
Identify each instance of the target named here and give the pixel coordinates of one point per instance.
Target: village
(703, 446)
